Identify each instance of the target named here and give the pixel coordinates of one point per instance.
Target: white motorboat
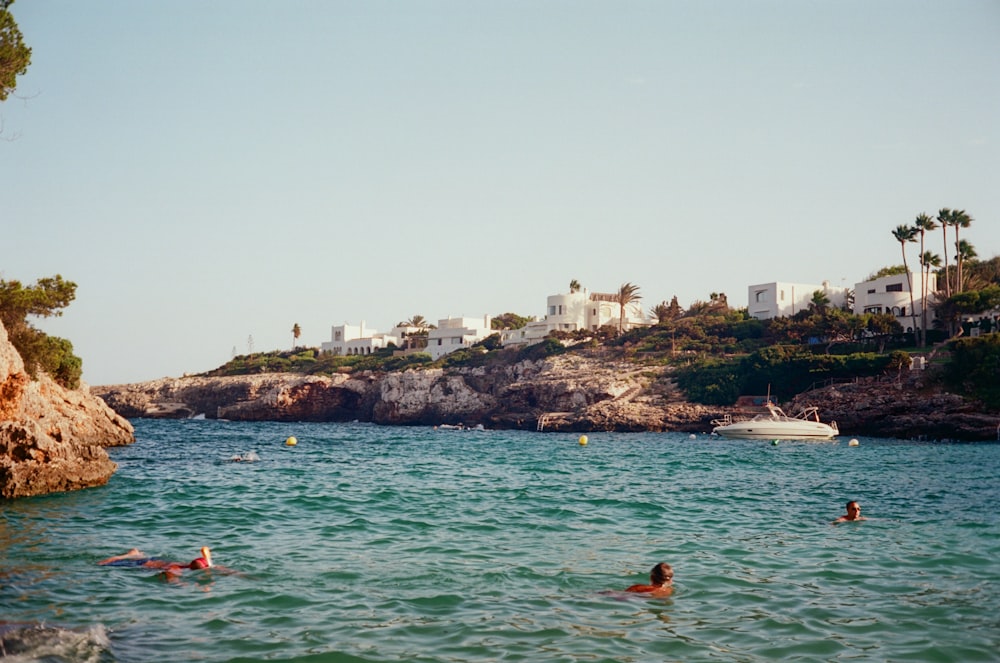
(776, 425)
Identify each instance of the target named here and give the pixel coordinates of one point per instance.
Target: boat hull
(764, 430)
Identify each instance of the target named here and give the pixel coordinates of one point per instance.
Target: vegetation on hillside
(974, 369)
(40, 352)
(716, 353)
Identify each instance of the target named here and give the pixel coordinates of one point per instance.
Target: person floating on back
(853, 513)
(136, 557)
(661, 580)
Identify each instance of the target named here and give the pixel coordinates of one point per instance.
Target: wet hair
(661, 574)
(848, 506)
(200, 563)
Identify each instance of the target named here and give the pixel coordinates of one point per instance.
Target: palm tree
(296, 332)
(661, 312)
(927, 260)
(923, 224)
(718, 303)
(959, 219)
(819, 302)
(904, 234)
(944, 217)
(627, 294)
(416, 321)
(966, 252)
(574, 286)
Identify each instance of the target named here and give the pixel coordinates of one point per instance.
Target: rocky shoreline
(572, 392)
(52, 439)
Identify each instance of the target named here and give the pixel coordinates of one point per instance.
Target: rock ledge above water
(52, 439)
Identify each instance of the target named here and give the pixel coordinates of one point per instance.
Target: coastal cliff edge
(570, 392)
(52, 439)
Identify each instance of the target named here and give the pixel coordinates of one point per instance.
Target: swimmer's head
(661, 574)
(199, 563)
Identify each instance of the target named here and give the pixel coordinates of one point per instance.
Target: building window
(782, 295)
(894, 287)
(552, 310)
(871, 291)
(760, 296)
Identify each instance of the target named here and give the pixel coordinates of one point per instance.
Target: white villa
(348, 339)
(779, 299)
(577, 310)
(451, 334)
(457, 333)
(887, 294)
(891, 294)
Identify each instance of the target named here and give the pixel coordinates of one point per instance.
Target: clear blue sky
(211, 171)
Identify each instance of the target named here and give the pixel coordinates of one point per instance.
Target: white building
(357, 340)
(891, 294)
(577, 310)
(457, 333)
(779, 299)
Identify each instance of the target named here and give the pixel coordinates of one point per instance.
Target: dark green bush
(975, 369)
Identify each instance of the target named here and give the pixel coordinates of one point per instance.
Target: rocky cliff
(571, 392)
(908, 406)
(568, 392)
(52, 439)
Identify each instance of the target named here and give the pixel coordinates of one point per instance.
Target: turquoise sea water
(365, 543)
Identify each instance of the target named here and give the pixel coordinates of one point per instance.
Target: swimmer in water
(136, 557)
(853, 513)
(661, 580)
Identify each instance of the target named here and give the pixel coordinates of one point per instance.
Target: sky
(212, 173)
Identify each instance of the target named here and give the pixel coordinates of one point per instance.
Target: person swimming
(136, 557)
(853, 513)
(661, 579)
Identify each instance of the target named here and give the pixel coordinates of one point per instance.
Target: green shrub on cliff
(975, 368)
(781, 370)
(40, 352)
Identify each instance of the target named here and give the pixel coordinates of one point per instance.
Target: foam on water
(39, 642)
(364, 543)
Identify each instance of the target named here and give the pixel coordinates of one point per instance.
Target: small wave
(39, 642)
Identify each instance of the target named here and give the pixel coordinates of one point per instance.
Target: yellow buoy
(291, 442)
(583, 440)
(853, 443)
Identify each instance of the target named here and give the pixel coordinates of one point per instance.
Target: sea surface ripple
(367, 543)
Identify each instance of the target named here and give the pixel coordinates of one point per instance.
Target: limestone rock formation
(261, 397)
(907, 406)
(52, 439)
(570, 392)
(578, 392)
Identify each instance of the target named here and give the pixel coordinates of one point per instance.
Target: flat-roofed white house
(577, 310)
(891, 294)
(357, 340)
(457, 333)
(780, 299)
